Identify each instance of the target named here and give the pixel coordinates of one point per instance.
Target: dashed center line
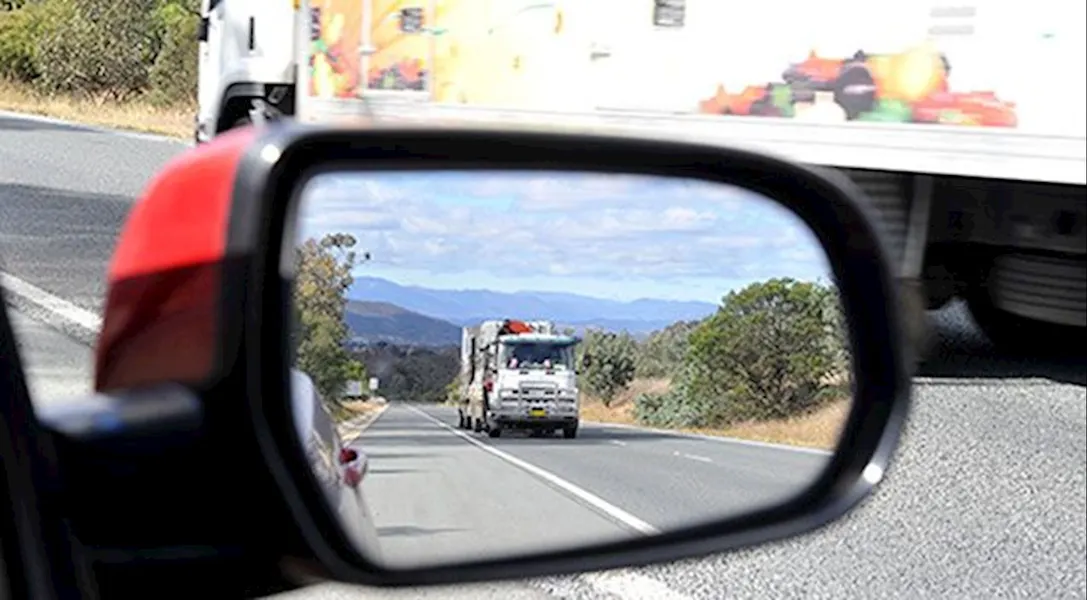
(692, 457)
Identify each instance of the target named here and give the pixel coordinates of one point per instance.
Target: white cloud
(590, 226)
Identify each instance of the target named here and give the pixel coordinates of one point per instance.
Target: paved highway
(608, 484)
(986, 498)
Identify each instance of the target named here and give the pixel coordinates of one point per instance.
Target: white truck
(962, 121)
(518, 375)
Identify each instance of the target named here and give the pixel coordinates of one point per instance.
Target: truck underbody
(1014, 251)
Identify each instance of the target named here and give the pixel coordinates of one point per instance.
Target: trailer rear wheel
(1032, 305)
(569, 432)
(1021, 335)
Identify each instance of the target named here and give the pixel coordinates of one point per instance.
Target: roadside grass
(818, 429)
(345, 411)
(138, 116)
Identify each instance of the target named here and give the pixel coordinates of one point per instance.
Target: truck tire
(494, 432)
(569, 432)
(1017, 335)
(461, 420)
(477, 424)
(1010, 287)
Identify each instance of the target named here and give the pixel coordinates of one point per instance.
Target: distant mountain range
(384, 310)
(375, 322)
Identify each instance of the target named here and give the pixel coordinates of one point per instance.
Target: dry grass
(133, 116)
(819, 429)
(361, 407)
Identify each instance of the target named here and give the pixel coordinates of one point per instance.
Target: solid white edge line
(589, 498)
(626, 584)
(151, 137)
(712, 438)
(51, 303)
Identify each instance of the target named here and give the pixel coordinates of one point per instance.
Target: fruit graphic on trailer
(330, 78)
(915, 74)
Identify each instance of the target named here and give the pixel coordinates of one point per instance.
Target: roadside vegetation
(771, 364)
(130, 64)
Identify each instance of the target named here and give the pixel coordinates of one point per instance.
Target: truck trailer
(962, 122)
(518, 375)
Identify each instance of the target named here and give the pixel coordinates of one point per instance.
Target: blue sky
(611, 236)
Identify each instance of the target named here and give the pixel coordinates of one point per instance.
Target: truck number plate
(537, 412)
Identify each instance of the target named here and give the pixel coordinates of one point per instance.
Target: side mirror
(265, 196)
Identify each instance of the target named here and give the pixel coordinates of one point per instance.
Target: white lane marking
(582, 494)
(692, 457)
(151, 137)
(617, 442)
(712, 438)
(53, 304)
(629, 585)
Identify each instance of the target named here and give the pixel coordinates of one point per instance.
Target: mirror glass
(502, 363)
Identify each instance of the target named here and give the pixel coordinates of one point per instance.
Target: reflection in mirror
(533, 362)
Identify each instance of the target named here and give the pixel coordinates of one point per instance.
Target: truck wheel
(460, 420)
(477, 425)
(1048, 286)
(494, 432)
(569, 432)
(1015, 334)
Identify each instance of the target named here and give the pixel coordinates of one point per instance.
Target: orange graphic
(335, 28)
(401, 33)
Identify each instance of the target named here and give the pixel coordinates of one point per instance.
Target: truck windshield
(538, 355)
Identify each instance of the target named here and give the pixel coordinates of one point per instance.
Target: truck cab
(534, 385)
(518, 375)
(247, 64)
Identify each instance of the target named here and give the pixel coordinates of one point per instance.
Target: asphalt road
(985, 500)
(616, 483)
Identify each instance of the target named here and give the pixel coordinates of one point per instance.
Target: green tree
(172, 67)
(663, 352)
(18, 42)
(767, 353)
(611, 362)
(99, 48)
(320, 332)
(412, 374)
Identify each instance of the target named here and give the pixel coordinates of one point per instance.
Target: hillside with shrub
(109, 53)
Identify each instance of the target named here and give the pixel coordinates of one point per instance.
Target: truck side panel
(942, 68)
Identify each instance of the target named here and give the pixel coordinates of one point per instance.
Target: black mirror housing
(283, 157)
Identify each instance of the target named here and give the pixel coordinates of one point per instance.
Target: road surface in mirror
(526, 362)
